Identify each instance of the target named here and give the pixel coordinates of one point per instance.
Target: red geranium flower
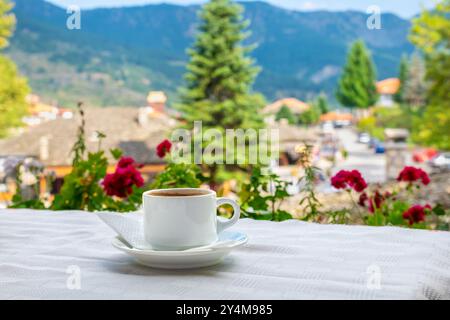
(353, 179)
(121, 182)
(412, 174)
(416, 213)
(163, 148)
(376, 201)
(363, 199)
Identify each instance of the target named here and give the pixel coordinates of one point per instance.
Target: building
(39, 112)
(135, 131)
(296, 106)
(387, 89)
(157, 101)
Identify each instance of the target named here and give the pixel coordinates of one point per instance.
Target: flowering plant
(395, 207)
(176, 175)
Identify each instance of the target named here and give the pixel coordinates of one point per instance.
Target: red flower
(353, 179)
(376, 201)
(125, 162)
(363, 199)
(412, 174)
(121, 182)
(416, 213)
(163, 148)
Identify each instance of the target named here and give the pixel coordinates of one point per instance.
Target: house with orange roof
(296, 106)
(387, 88)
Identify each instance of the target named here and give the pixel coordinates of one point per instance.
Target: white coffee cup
(179, 219)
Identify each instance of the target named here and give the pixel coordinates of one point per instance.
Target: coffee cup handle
(222, 225)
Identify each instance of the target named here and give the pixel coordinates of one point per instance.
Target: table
(68, 255)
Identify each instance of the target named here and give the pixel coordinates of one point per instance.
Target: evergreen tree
(356, 88)
(220, 75)
(13, 88)
(431, 33)
(285, 113)
(402, 76)
(415, 87)
(322, 104)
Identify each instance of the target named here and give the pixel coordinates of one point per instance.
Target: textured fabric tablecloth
(42, 252)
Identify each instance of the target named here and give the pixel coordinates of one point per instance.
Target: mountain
(121, 53)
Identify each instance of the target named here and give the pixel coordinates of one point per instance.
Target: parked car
(380, 148)
(364, 137)
(441, 161)
(373, 142)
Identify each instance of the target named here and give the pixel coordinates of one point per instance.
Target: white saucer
(197, 258)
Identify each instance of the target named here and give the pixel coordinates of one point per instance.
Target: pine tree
(285, 113)
(430, 33)
(356, 88)
(220, 75)
(415, 87)
(402, 76)
(13, 88)
(322, 103)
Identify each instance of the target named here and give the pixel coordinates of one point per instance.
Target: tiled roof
(120, 125)
(388, 86)
(296, 106)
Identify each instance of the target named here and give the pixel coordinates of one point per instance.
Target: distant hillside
(121, 53)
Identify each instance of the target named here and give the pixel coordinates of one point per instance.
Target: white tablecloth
(68, 255)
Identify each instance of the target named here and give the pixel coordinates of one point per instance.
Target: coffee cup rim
(207, 193)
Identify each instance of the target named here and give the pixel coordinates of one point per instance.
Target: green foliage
(310, 116)
(309, 201)
(7, 22)
(431, 33)
(220, 72)
(402, 76)
(178, 176)
(356, 88)
(13, 90)
(262, 196)
(82, 189)
(285, 113)
(321, 104)
(394, 117)
(414, 90)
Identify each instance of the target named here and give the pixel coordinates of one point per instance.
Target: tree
(7, 22)
(402, 76)
(310, 116)
(415, 86)
(220, 75)
(356, 88)
(13, 88)
(431, 33)
(285, 113)
(322, 104)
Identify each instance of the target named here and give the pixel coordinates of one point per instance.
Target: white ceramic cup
(179, 219)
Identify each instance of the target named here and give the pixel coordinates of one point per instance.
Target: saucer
(187, 259)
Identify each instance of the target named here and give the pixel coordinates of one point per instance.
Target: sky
(403, 8)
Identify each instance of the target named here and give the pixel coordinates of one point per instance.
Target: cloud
(308, 5)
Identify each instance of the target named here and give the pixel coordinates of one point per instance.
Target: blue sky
(404, 8)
